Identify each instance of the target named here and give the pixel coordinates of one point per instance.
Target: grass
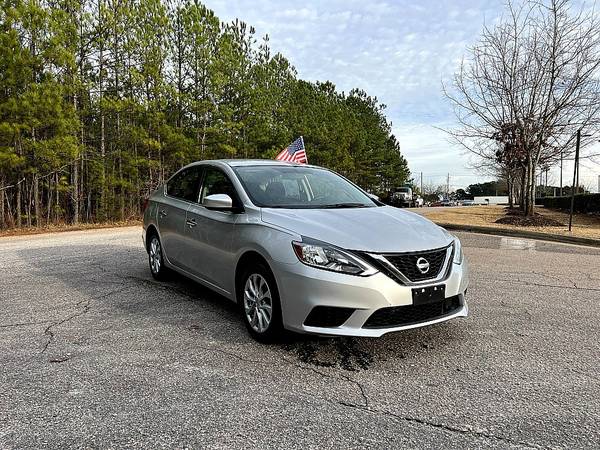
(584, 225)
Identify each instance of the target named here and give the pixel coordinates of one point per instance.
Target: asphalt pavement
(95, 353)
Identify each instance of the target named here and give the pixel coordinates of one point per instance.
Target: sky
(400, 51)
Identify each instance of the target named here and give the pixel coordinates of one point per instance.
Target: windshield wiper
(345, 205)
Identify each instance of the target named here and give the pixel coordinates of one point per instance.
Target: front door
(210, 233)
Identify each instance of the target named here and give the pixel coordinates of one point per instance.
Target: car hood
(380, 230)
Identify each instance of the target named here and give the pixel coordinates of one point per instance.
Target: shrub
(584, 203)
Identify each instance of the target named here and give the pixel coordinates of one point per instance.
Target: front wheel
(260, 306)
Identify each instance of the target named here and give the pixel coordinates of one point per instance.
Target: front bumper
(302, 288)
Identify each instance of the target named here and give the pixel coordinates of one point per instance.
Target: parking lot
(95, 353)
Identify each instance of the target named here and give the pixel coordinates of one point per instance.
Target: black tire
(274, 331)
(155, 259)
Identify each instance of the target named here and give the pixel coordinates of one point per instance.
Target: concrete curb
(523, 234)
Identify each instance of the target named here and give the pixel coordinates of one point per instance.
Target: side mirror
(219, 202)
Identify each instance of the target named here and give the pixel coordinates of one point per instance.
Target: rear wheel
(259, 303)
(156, 260)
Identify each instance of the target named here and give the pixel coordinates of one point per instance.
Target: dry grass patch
(67, 227)
(546, 220)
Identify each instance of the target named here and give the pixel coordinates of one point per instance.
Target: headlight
(323, 256)
(458, 252)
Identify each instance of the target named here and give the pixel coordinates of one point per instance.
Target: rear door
(181, 191)
(210, 233)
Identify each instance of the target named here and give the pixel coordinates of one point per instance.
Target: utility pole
(575, 177)
(542, 177)
(448, 186)
(577, 169)
(422, 185)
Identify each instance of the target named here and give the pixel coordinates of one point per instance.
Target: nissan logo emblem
(423, 265)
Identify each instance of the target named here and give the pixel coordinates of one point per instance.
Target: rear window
(185, 184)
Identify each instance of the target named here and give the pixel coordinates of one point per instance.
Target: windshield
(300, 187)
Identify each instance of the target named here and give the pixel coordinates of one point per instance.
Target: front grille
(328, 316)
(397, 316)
(407, 263)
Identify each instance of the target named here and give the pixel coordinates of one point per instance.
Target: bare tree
(432, 191)
(525, 88)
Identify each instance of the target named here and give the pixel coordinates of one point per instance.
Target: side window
(185, 184)
(216, 182)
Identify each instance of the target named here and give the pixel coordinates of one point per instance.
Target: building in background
(491, 200)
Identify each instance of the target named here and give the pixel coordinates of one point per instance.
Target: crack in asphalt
(334, 377)
(60, 359)
(232, 354)
(94, 280)
(532, 283)
(556, 278)
(580, 372)
(24, 324)
(440, 426)
(86, 307)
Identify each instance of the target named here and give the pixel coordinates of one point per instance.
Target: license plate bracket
(428, 294)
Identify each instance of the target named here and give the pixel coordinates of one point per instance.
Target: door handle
(162, 213)
(191, 223)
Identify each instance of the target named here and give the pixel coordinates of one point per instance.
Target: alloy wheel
(258, 303)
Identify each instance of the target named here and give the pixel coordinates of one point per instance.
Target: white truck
(403, 196)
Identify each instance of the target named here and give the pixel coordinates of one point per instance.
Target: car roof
(252, 162)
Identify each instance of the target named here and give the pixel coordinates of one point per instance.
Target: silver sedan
(301, 248)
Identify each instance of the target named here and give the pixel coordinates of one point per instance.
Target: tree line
(525, 88)
(101, 100)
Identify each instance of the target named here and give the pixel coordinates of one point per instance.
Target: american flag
(295, 152)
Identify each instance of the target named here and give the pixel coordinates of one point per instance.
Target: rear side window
(185, 184)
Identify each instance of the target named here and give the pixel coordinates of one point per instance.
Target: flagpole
(304, 147)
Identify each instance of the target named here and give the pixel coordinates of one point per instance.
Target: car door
(180, 192)
(210, 233)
